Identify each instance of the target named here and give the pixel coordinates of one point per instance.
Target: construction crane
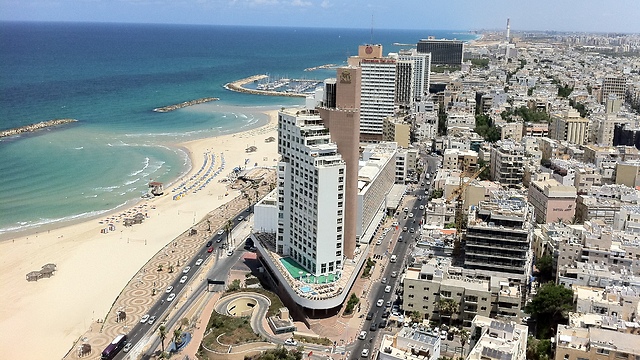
(458, 192)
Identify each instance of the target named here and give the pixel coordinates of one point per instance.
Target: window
(602, 351)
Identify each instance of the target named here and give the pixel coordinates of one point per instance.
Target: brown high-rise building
(343, 122)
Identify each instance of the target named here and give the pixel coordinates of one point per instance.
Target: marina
(266, 85)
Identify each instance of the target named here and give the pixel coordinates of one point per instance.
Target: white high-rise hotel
(377, 94)
(311, 185)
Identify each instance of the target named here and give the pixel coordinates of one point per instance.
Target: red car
(210, 249)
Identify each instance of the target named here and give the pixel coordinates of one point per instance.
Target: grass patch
(276, 303)
(313, 340)
(236, 331)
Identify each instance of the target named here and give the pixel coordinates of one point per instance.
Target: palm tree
(163, 335)
(177, 336)
(464, 337)
(227, 227)
(448, 307)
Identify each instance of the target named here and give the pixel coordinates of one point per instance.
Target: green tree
(228, 227)
(545, 268)
(564, 91)
(234, 286)
(448, 307)
(549, 308)
(436, 194)
(416, 316)
(538, 349)
(177, 336)
(464, 337)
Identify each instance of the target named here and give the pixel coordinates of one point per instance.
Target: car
(384, 280)
(373, 326)
(218, 239)
(443, 335)
(385, 314)
(383, 324)
(151, 320)
(399, 238)
(395, 223)
(394, 274)
(171, 297)
(369, 315)
(365, 353)
(410, 215)
(183, 279)
(199, 262)
(240, 218)
(248, 209)
(186, 270)
(412, 230)
(389, 303)
(380, 302)
(127, 347)
(450, 336)
(291, 342)
(404, 228)
(387, 289)
(363, 335)
(169, 289)
(210, 250)
(144, 319)
(209, 243)
(421, 207)
(230, 252)
(220, 232)
(379, 242)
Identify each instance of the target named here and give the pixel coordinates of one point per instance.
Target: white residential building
(377, 94)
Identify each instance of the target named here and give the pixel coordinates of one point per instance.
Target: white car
(365, 353)
(199, 262)
(379, 242)
(387, 289)
(168, 291)
(144, 319)
(171, 297)
(183, 279)
(421, 207)
(384, 280)
(127, 347)
(230, 252)
(220, 232)
(380, 302)
(186, 270)
(410, 215)
(363, 335)
(291, 342)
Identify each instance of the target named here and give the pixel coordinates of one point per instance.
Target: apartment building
(577, 343)
(427, 286)
(397, 129)
(410, 344)
(552, 201)
(569, 126)
(507, 163)
(604, 202)
(493, 339)
(463, 160)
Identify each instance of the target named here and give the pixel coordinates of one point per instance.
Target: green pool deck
(295, 269)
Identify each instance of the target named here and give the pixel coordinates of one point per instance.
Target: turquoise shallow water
(110, 77)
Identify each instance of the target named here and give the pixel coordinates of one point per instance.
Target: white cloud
(301, 3)
(325, 4)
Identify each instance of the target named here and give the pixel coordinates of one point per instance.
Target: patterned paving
(136, 298)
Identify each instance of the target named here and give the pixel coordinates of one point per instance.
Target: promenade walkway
(137, 296)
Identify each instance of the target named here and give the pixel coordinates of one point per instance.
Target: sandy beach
(42, 319)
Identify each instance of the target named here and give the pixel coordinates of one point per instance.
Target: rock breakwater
(185, 104)
(35, 127)
(238, 86)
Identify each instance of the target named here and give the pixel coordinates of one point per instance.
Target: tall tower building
(343, 122)
(421, 71)
(508, 30)
(614, 85)
(311, 187)
(443, 52)
(404, 82)
(377, 96)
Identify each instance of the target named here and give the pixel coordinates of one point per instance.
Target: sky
(558, 15)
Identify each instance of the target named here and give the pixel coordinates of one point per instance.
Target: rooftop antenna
(371, 40)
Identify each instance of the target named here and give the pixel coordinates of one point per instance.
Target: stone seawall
(184, 104)
(35, 127)
(238, 86)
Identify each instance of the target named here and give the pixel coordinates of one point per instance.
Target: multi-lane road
(391, 245)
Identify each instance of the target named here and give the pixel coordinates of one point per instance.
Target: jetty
(238, 86)
(185, 104)
(326, 66)
(35, 127)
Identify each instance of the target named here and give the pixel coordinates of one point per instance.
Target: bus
(114, 348)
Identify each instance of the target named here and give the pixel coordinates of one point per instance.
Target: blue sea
(111, 76)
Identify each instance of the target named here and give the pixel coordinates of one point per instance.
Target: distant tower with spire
(508, 30)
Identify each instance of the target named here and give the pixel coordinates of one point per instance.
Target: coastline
(92, 267)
